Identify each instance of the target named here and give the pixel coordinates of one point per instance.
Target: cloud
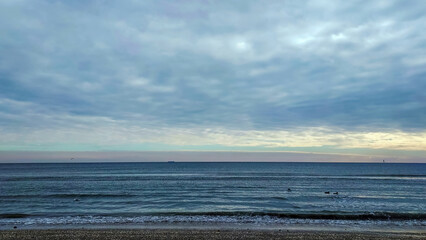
(236, 67)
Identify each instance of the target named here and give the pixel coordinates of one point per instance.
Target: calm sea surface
(137, 193)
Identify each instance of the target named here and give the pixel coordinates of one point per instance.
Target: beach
(199, 234)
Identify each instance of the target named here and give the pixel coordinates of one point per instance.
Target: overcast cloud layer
(90, 75)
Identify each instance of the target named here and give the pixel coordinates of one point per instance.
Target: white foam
(257, 220)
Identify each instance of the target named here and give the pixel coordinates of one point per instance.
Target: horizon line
(117, 162)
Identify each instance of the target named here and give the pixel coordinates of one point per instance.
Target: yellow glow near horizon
(299, 137)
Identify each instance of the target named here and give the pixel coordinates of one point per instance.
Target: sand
(197, 234)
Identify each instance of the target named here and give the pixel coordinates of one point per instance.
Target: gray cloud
(203, 64)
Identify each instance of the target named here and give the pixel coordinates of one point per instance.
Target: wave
(321, 215)
(69, 195)
(212, 177)
(276, 215)
(14, 215)
(280, 198)
(388, 175)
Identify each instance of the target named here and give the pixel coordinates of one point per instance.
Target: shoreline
(347, 227)
(112, 233)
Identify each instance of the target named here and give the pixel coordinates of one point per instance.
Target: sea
(213, 193)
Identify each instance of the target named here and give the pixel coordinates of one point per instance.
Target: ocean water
(237, 193)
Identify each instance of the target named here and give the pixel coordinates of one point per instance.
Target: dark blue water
(85, 193)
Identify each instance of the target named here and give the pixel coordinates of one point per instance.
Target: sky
(343, 79)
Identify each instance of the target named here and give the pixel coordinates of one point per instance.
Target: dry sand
(74, 234)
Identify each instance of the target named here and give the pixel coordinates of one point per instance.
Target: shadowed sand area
(198, 234)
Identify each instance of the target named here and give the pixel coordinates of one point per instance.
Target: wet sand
(197, 234)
